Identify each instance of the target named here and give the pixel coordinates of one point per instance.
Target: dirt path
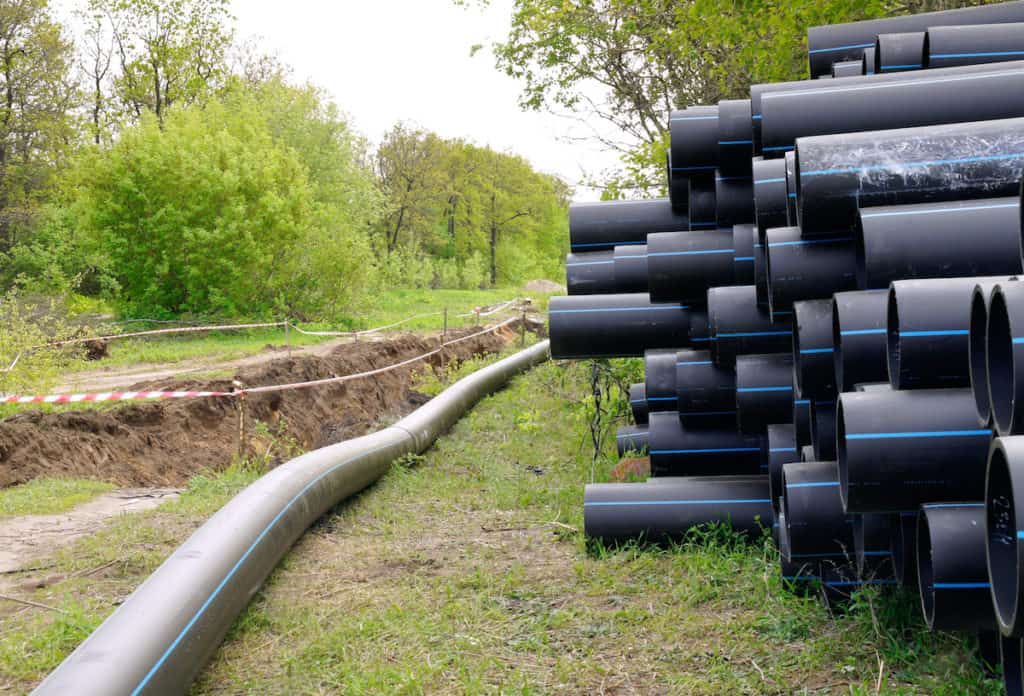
(27, 538)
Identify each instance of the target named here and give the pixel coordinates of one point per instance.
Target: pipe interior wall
(764, 390)
(835, 42)
(603, 225)
(930, 240)
(790, 159)
(590, 273)
(898, 449)
(1011, 657)
(859, 337)
(900, 51)
(823, 429)
(678, 188)
(623, 325)
(1005, 357)
(974, 44)
(761, 273)
(977, 351)
(802, 420)
(813, 369)
(869, 62)
(837, 174)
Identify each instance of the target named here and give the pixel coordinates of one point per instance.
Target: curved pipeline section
(869, 61)
(694, 142)
(1004, 529)
(813, 370)
(603, 225)
(977, 351)
(929, 240)
(802, 420)
(859, 337)
(614, 326)
(703, 208)
(790, 160)
(900, 51)
(975, 44)
(1005, 353)
(163, 634)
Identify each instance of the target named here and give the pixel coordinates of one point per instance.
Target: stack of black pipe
(831, 324)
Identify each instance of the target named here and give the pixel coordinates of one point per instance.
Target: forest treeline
(149, 158)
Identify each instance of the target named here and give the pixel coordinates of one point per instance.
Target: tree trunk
(494, 242)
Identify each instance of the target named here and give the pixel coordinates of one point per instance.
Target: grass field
(464, 571)
(49, 496)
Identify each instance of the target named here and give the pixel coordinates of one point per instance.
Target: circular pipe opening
(976, 355)
(837, 347)
(841, 460)
(1001, 533)
(892, 339)
(999, 363)
(925, 572)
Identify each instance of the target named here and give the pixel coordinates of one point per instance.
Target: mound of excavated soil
(164, 443)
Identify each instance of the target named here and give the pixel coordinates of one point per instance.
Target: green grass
(464, 571)
(49, 496)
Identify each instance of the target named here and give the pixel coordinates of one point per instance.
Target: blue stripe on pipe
(792, 195)
(764, 389)
(732, 178)
(779, 311)
(921, 433)
(840, 48)
(736, 142)
(961, 585)
(946, 505)
(1020, 534)
(812, 351)
(904, 66)
(847, 583)
(801, 577)
(742, 258)
(615, 309)
(949, 332)
(876, 553)
(926, 163)
(861, 332)
(777, 148)
(756, 117)
(754, 333)
(940, 210)
(637, 401)
(693, 362)
(594, 244)
(691, 253)
(701, 340)
(782, 449)
(706, 413)
(701, 168)
(770, 181)
(709, 223)
(588, 263)
(736, 501)
(801, 242)
(693, 118)
(870, 72)
(1018, 340)
(631, 256)
(661, 398)
(814, 484)
(985, 54)
(802, 401)
(708, 450)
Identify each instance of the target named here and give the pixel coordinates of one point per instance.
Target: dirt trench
(164, 443)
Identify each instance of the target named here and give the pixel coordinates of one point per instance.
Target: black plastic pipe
(816, 525)
(661, 511)
(859, 337)
(869, 62)
(603, 225)
(962, 161)
(681, 266)
(740, 327)
(900, 51)
(875, 105)
(1004, 525)
(951, 571)
(631, 438)
(807, 269)
(638, 402)
(159, 638)
(802, 420)
(679, 451)
(760, 273)
(928, 240)
(974, 44)
(898, 449)
(606, 326)
(734, 199)
(848, 68)
(872, 534)
(813, 368)
(928, 328)
(630, 264)
(678, 188)
(782, 449)
(703, 207)
(590, 273)
(977, 351)
(791, 212)
(839, 581)
(770, 195)
(1011, 657)
(903, 544)
(700, 328)
(706, 393)
(660, 379)
(823, 429)
(694, 141)
(764, 390)
(743, 254)
(1004, 348)
(835, 42)
(735, 137)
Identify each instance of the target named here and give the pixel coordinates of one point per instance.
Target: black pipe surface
(678, 188)
(590, 273)
(681, 266)
(807, 269)
(666, 510)
(781, 443)
(1004, 350)
(638, 402)
(951, 571)
(679, 451)
(771, 197)
(740, 327)
(848, 68)
(859, 337)
(977, 351)
(605, 326)
(869, 62)
(816, 525)
(802, 420)
(836, 174)
(734, 199)
(706, 393)
(703, 208)
(660, 379)
(1004, 526)
(694, 141)
(928, 240)
(631, 438)
(872, 534)
(764, 390)
(835, 42)
(760, 273)
(630, 264)
(603, 225)
(700, 329)
(928, 328)
(898, 449)
(735, 137)
(903, 544)
(743, 254)
(791, 212)
(813, 368)
(974, 44)
(901, 51)
(823, 429)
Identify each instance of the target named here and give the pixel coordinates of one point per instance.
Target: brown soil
(164, 443)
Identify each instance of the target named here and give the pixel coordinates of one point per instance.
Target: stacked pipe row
(829, 333)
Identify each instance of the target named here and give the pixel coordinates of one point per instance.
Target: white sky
(385, 61)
